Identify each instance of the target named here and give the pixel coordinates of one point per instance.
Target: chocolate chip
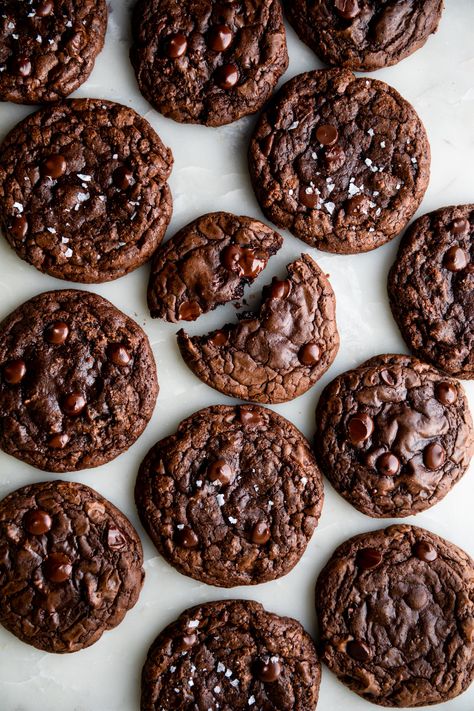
(243, 261)
(357, 205)
(460, 226)
(360, 427)
(416, 598)
(220, 38)
(37, 522)
(122, 177)
(186, 642)
(19, 227)
(21, 66)
(219, 338)
(334, 158)
(446, 393)
(57, 567)
(14, 371)
(368, 558)
(434, 456)
(73, 404)
(57, 332)
(189, 311)
(358, 651)
(388, 464)
(268, 671)
(44, 8)
(326, 134)
(250, 417)
(260, 533)
(118, 354)
(425, 551)
(58, 441)
(308, 197)
(455, 259)
(115, 539)
(348, 9)
(186, 537)
(220, 471)
(309, 353)
(176, 45)
(227, 76)
(280, 289)
(54, 166)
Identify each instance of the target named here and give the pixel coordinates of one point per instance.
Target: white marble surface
(210, 174)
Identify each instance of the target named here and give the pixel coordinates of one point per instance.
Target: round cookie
(233, 497)
(48, 47)
(208, 263)
(364, 35)
(396, 612)
(83, 191)
(231, 655)
(431, 289)
(205, 61)
(342, 162)
(394, 435)
(70, 565)
(77, 381)
(279, 352)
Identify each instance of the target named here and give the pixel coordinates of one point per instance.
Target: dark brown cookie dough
(231, 655)
(364, 35)
(70, 565)
(342, 162)
(208, 263)
(431, 289)
(277, 353)
(205, 61)
(48, 47)
(77, 381)
(394, 435)
(396, 617)
(83, 191)
(233, 497)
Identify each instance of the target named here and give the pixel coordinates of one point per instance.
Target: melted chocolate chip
(357, 205)
(249, 417)
(220, 38)
(122, 177)
(347, 9)
(243, 261)
(425, 551)
(446, 393)
(73, 404)
(219, 338)
(360, 427)
(186, 538)
(358, 651)
(368, 558)
(57, 332)
(176, 46)
(118, 354)
(227, 76)
(455, 259)
(261, 533)
(21, 66)
(57, 568)
(326, 134)
(280, 289)
(19, 227)
(308, 197)
(434, 456)
(189, 311)
(186, 642)
(14, 371)
(388, 464)
(54, 167)
(115, 539)
(460, 226)
(58, 441)
(220, 471)
(268, 671)
(37, 522)
(334, 158)
(309, 353)
(44, 8)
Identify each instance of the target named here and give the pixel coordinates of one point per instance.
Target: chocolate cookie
(208, 263)
(394, 435)
(431, 289)
(396, 617)
(233, 497)
(364, 34)
(83, 191)
(70, 565)
(205, 61)
(77, 381)
(231, 655)
(277, 353)
(48, 47)
(343, 163)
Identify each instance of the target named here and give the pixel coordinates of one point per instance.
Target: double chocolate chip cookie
(431, 289)
(77, 381)
(70, 565)
(364, 34)
(278, 353)
(393, 435)
(83, 191)
(48, 47)
(231, 655)
(342, 162)
(208, 61)
(396, 617)
(208, 263)
(233, 497)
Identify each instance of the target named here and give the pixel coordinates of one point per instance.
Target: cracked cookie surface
(342, 162)
(48, 47)
(205, 61)
(83, 191)
(394, 435)
(396, 616)
(431, 289)
(232, 655)
(233, 497)
(70, 565)
(278, 353)
(208, 263)
(364, 35)
(78, 381)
